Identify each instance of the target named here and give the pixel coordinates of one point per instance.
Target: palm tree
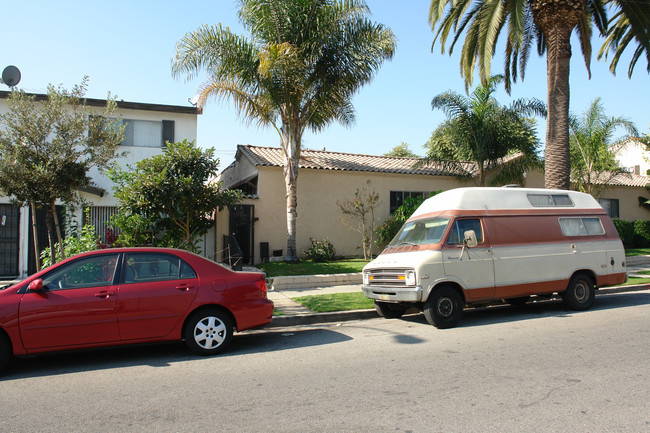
(549, 23)
(593, 154)
(481, 131)
(621, 32)
(299, 69)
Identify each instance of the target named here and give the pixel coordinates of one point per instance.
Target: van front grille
(387, 277)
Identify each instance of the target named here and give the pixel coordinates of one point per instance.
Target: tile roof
(324, 160)
(621, 179)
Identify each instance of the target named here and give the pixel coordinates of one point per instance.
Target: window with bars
(397, 198)
(100, 217)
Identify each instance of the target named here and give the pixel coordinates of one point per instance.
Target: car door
(156, 290)
(77, 305)
(472, 267)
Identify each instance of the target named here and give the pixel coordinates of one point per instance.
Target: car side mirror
(36, 285)
(469, 239)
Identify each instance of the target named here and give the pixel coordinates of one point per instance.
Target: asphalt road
(537, 368)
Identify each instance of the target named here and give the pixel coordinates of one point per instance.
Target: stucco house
(259, 221)
(148, 127)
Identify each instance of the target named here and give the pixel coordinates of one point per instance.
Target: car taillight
(261, 284)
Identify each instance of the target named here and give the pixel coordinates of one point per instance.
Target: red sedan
(130, 295)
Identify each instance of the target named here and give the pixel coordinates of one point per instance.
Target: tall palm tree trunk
(291, 145)
(558, 59)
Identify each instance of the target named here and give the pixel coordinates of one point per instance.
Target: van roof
(506, 198)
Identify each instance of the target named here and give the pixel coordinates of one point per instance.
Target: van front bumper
(393, 294)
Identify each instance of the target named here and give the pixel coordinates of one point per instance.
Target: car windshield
(424, 231)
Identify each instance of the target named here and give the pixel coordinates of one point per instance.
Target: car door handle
(184, 287)
(104, 294)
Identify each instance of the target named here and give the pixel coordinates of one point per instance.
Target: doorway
(242, 217)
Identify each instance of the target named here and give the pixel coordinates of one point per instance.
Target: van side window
(550, 200)
(581, 226)
(461, 226)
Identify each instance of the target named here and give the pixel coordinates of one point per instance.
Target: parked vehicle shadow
(165, 354)
(496, 314)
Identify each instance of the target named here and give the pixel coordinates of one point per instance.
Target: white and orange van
(475, 246)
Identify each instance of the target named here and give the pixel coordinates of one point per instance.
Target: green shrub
(625, 231)
(78, 241)
(320, 251)
(642, 233)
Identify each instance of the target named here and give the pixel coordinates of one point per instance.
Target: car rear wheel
(208, 332)
(444, 308)
(580, 294)
(390, 310)
(5, 351)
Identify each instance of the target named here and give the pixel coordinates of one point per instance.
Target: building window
(610, 205)
(148, 133)
(397, 198)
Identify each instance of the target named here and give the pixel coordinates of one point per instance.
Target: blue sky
(126, 47)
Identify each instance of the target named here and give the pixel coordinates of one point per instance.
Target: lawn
(637, 252)
(336, 302)
(307, 267)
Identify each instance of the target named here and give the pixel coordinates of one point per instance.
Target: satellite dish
(195, 99)
(11, 76)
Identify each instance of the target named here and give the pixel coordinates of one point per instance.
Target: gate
(241, 221)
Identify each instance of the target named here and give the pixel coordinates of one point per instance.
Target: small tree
(401, 150)
(593, 150)
(362, 211)
(170, 198)
(47, 146)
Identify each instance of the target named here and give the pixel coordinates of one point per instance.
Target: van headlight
(366, 278)
(410, 278)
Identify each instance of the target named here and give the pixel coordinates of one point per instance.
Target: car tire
(444, 308)
(208, 332)
(5, 351)
(390, 310)
(580, 294)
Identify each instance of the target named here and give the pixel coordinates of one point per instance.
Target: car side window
(146, 267)
(91, 271)
(461, 226)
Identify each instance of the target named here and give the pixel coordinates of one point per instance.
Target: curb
(343, 316)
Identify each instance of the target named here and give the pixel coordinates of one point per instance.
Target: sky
(126, 48)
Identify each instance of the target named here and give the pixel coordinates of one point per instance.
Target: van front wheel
(444, 308)
(580, 294)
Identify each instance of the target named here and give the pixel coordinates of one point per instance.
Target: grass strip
(335, 302)
(307, 267)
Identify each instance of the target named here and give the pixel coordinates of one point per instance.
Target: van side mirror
(469, 239)
(36, 285)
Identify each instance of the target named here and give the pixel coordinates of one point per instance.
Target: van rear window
(581, 226)
(550, 200)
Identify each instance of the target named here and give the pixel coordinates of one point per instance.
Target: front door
(472, 267)
(77, 306)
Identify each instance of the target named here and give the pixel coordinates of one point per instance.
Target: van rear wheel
(444, 308)
(390, 310)
(580, 294)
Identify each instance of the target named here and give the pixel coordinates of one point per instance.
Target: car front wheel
(5, 351)
(208, 332)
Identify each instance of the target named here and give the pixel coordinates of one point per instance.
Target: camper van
(479, 246)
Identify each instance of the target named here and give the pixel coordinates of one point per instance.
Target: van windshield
(424, 231)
